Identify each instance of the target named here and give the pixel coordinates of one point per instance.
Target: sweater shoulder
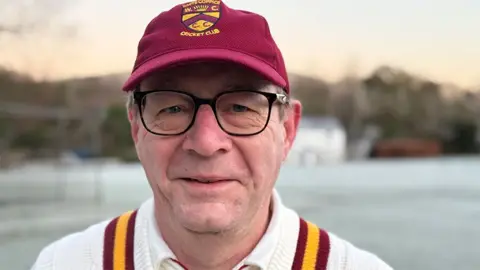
(346, 256)
(79, 250)
(342, 254)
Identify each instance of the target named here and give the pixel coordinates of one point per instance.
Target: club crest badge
(200, 16)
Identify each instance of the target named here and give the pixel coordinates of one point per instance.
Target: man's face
(242, 170)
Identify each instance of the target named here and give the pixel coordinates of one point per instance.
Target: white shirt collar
(262, 253)
(260, 256)
(159, 251)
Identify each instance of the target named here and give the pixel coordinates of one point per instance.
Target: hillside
(400, 104)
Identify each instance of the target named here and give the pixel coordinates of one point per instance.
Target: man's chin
(207, 221)
(207, 226)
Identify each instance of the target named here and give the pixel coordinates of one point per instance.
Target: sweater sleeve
(45, 258)
(80, 250)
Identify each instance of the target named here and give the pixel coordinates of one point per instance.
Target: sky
(434, 39)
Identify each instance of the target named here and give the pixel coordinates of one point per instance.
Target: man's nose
(205, 137)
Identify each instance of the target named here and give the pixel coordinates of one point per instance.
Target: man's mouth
(206, 181)
(203, 181)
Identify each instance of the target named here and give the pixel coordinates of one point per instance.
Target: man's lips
(206, 180)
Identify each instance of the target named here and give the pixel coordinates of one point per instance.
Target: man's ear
(134, 124)
(292, 121)
(134, 119)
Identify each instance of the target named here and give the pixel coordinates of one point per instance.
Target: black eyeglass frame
(138, 97)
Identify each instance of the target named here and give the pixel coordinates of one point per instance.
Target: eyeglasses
(238, 113)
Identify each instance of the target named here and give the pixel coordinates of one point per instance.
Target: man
(212, 121)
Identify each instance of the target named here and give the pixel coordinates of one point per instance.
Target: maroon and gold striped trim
(313, 247)
(118, 242)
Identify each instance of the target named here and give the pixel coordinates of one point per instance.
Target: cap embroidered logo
(200, 17)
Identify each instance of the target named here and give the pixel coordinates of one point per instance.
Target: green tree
(116, 132)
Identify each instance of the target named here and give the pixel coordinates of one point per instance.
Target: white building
(319, 140)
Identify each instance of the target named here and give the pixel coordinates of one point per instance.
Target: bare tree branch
(20, 17)
(10, 29)
(31, 31)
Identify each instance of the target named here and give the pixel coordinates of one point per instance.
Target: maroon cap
(208, 30)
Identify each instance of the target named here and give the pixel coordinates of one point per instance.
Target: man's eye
(239, 108)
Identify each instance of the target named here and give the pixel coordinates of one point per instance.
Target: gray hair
(269, 88)
(130, 101)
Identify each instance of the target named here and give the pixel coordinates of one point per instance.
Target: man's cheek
(143, 146)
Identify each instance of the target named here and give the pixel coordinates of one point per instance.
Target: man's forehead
(221, 72)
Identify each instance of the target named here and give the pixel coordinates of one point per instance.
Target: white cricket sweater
(276, 250)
